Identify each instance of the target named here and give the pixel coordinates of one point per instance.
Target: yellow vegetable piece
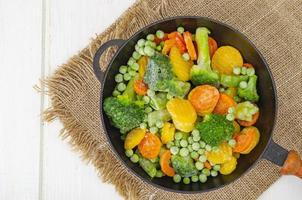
(167, 133)
(225, 59)
(180, 67)
(183, 114)
(254, 142)
(134, 137)
(220, 156)
(142, 62)
(229, 166)
(236, 127)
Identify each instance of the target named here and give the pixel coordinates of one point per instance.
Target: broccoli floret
(232, 81)
(124, 112)
(215, 129)
(184, 166)
(159, 101)
(179, 88)
(159, 115)
(158, 73)
(202, 73)
(245, 111)
(250, 92)
(148, 166)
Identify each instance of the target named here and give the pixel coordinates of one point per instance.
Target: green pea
(159, 174)
(123, 69)
(141, 51)
(194, 178)
(178, 135)
(214, 173)
(202, 144)
(184, 152)
(174, 150)
(136, 55)
(150, 37)
(158, 48)
(118, 78)
(186, 56)
(181, 29)
(150, 93)
(132, 73)
(243, 70)
(201, 151)
(130, 61)
(121, 87)
(148, 109)
(215, 148)
(169, 145)
(183, 143)
(202, 158)
(203, 178)
(160, 34)
(231, 110)
(190, 148)
(116, 93)
(236, 70)
(129, 153)
(136, 47)
(195, 132)
(216, 167)
(177, 143)
(141, 42)
(134, 158)
(194, 154)
(232, 143)
(230, 117)
(196, 138)
(199, 165)
(176, 178)
(143, 125)
(186, 180)
(208, 147)
(135, 66)
(153, 129)
(127, 76)
(243, 84)
(250, 71)
(146, 99)
(190, 140)
(221, 90)
(206, 172)
(195, 146)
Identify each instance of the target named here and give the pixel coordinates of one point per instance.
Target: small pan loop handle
(96, 60)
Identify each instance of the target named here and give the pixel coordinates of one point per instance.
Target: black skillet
(224, 35)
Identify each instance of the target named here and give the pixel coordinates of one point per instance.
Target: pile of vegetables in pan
(184, 106)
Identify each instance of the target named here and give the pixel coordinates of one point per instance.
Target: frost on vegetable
(245, 111)
(250, 92)
(184, 166)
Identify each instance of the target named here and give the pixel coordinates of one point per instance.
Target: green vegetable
(116, 93)
(146, 99)
(159, 174)
(135, 66)
(160, 34)
(178, 88)
(181, 29)
(202, 144)
(176, 178)
(150, 37)
(136, 55)
(250, 92)
(131, 61)
(202, 178)
(196, 138)
(250, 71)
(184, 152)
(243, 84)
(183, 143)
(159, 124)
(178, 135)
(124, 111)
(245, 111)
(215, 129)
(148, 109)
(123, 69)
(232, 143)
(230, 116)
(121, 87)
(199, 165)
(186, 56)
(201, 151)
(134, 158)
(127, 76)
(141, 42)
(216, 167)
(158, 73)
(174, 150)
(214, 173)
(202, 158)
(195, 146)
(158, 101)
(243, 70)
(118, 78)
(158, 48)
(208, 148)
(194, 178)
(148, 166)
(129, 153)
(232, 81)
(237, 70)
(149, 51)
(183, 166)
(186, 180)
(194, 155)
(162, 115)
(143, 125)
(202, 73)
(206, 172)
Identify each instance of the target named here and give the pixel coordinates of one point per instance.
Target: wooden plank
(72, 24)
(20, 61)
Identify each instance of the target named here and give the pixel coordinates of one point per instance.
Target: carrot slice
(246, 140)
(150, 146)
(248, 65)
(190, 45)
(251, 123)
(168, 45)
(165, 163)
(207, 165)
(140, 87)
(212, 46)
(175, 34)
(223, 104)
(204, 99)
(179, 41)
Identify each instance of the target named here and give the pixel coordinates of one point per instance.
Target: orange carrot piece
(175, 34)
(165, 164)
(212, 46)
(190, 45)
(251, 123)
(244, 139)
(223, 104)
(168, 45)
(180, 44)
(207, 165)
(140, 87)
(247, 65)
(204, 99)
(150, 146)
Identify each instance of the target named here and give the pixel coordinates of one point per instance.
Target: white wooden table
(36, 36)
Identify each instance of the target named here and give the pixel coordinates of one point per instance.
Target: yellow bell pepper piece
(222, 155)
(229, 166)
(167, 133)
(134, 137)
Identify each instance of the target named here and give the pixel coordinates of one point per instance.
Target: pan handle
(96, 60)
(290, 161)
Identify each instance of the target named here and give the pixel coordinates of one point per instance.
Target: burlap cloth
(274, 26)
